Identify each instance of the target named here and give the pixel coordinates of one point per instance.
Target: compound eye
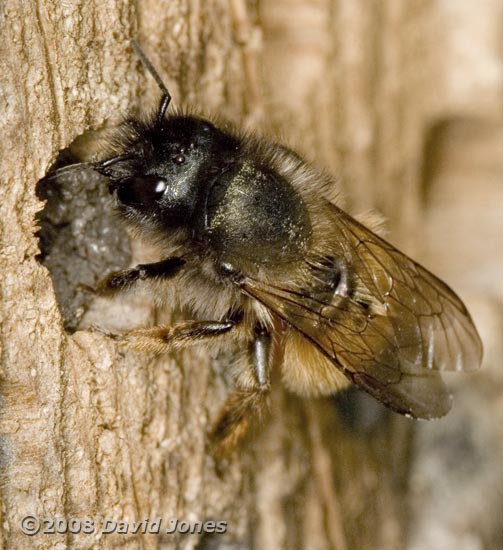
(141, 190)
(160, 187)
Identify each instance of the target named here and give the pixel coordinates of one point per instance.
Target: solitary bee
(254, 249)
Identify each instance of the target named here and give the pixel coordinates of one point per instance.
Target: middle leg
(162, 339)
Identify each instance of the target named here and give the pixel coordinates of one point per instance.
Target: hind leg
(246, 404)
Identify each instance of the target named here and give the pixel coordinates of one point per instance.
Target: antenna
(166, 96)
(98, 166)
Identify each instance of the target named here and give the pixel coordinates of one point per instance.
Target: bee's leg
(124, 280)
(162, 339)
(261, 349)
(245, 405)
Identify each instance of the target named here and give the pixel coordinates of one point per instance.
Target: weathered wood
(87, 431)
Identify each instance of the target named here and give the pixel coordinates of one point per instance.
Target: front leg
(123, 280)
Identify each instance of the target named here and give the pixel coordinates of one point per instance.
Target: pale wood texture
(362, 88)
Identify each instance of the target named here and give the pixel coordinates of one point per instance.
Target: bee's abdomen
(255, 214)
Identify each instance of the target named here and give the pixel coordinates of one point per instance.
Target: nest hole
(80, 239)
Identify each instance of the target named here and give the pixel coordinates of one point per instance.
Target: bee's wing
(392, 335)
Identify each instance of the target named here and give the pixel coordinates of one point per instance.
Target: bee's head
(167, 168)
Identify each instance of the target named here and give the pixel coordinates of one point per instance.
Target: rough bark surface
(385, 96)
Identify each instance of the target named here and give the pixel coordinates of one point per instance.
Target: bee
(252, 246)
